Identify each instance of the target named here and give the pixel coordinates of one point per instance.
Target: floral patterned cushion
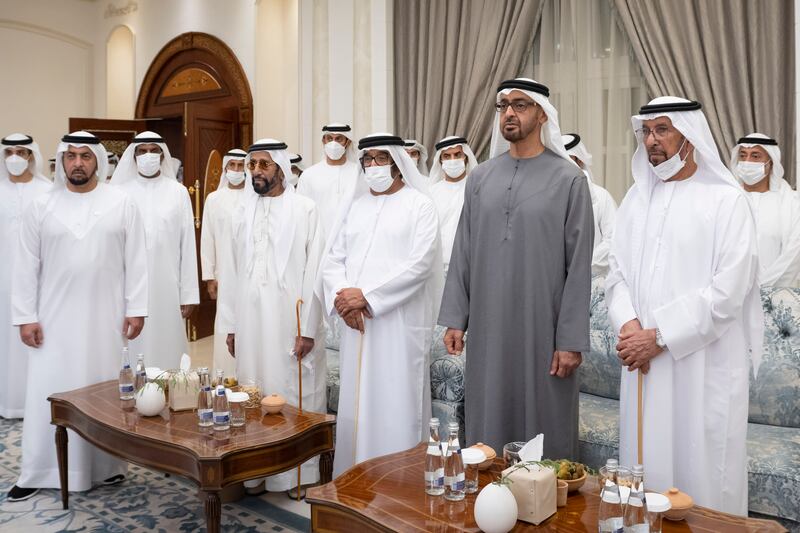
(447, 371)
(599, 372)
(775, 393)
(774, 466)
(598, 429)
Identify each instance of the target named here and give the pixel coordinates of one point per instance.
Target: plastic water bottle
(610, 512)
(141, 373)
(205, 400)
(636, 516)
(434, 462)
(222, 411)
(454, 484)
(126, 377)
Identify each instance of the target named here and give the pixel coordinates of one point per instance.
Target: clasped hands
(637, 346)
(351, 305)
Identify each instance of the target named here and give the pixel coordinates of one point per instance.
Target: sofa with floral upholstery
(773, 439)
(773, 435)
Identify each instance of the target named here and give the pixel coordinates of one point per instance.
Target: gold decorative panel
(189, 81)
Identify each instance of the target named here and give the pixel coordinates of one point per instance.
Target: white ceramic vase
(150, 400)
(495, 509)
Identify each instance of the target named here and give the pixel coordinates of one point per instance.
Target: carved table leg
(326, 467)
(213, 507)
(63, 471)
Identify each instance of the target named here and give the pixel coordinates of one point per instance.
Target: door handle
(195, 191)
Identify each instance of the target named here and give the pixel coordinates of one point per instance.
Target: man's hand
(454, 341)
(355, 319)
(211, 287)
(187, 310)
(231, 342)
(31, 334)
(303, 346)
(630, 326)
(348, 300)
(565, 363)
(637, 348)
(132, 326)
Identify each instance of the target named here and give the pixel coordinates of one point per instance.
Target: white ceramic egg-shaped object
(495, 509)
(150, 400)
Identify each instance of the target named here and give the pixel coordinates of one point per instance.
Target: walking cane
(299, 384)
(639, 416)
(358, 393)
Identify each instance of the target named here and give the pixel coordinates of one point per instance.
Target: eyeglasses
(381, 159)
(262, 164)
(659, 132)
(519, 106)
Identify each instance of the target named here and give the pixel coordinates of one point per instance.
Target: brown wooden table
(387, 494)
(174, 443)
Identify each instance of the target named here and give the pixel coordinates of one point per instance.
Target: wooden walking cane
(358, 393)
(299, 384)
(639, 417)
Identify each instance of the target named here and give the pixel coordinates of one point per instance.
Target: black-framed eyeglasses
(380, 159)
(262, 164)
(518, 106)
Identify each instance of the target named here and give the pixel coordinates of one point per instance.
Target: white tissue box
(535, 492)
(183, 389)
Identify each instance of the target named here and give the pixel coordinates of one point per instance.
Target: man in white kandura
(682, 292)
(297, 168)
(756, 162)
(382, 274)
(277, 249)
(145, 172)
(452, 164)
(79, 291)
(330, 181)
(419, 154)
(604, 208)
(216, 248)
(21, 180)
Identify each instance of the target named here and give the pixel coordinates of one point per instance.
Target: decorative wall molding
(114, 11)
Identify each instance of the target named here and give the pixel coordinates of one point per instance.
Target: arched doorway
(199, 95)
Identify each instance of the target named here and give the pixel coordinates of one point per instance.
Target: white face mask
(148, 164)
(16, 165)
(750, 172)
(671, 166)
(454, 167)
(379, 179)
(334, 150)
(234, 178)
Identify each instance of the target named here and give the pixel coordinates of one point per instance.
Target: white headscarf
(776, 181)
(79, 139)
(235, 154)
(687, 118)
(422, 164)
(575, 147)
(550, 132)
(297, 161)
(35, 163)
(283, 244)
(412, 178)
(437, 174)
(127, 169)
(338, 128)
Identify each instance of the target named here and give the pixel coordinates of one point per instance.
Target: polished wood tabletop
(387, 494)
(173, 442)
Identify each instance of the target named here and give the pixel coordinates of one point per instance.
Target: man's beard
(268, 184)
(79, 179)
(518, 134)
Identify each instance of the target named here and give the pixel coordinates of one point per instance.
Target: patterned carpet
(146, 501)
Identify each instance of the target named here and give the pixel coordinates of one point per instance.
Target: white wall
(48, 69)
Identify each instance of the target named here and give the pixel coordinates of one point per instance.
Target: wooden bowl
(488, 452)
(273, 403)
(681, 502)
(575, 484)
